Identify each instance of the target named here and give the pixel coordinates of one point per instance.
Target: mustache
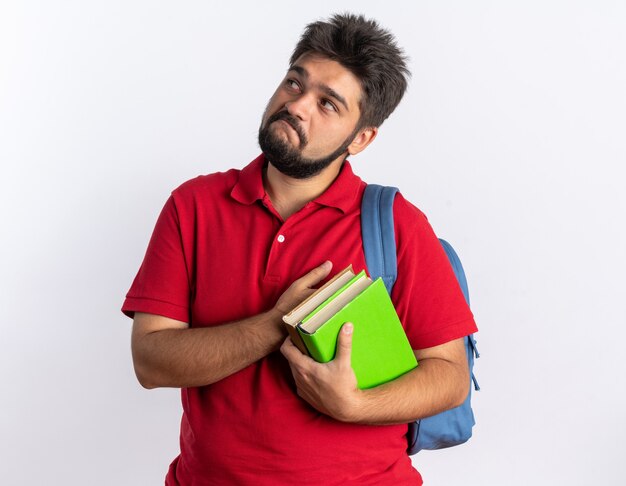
(293, 122)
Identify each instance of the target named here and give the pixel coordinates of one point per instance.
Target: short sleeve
(426, 294)
(162, 284)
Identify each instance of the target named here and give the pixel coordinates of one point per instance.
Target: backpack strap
(455, 261)
(379, 237)
(451, 427)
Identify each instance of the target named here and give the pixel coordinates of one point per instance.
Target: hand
(331, 387)
(302, 288)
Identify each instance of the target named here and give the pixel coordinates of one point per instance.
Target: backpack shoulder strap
(453, 426)
(379, 240)
(457, 267)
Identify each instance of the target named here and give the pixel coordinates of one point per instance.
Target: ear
(364, 137)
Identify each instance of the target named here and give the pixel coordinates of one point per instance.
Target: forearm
(434, 386)
(440, 382)
(201, 356)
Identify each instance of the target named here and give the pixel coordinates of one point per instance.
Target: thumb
(317, 274)
(344, 344)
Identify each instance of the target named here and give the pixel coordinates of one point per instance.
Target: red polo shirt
(220, 253)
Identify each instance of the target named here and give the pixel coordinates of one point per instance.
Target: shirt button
(281, 238)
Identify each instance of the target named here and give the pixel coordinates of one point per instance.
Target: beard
(289, 160)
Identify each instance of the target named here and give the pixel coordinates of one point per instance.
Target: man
(233, 252)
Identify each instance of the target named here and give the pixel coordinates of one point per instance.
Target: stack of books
(380, 349)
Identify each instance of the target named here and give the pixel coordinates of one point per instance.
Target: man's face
(311, 119)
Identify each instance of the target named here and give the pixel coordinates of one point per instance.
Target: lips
(288, 124)
(291, 122)
(290, 127)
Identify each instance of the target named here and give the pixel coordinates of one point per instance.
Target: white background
(511, 138)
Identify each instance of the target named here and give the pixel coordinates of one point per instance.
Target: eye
(328, 105)
(292, 84)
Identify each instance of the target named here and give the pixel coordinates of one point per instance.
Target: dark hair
(370, 52)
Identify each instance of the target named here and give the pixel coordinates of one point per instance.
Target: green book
(380, 349)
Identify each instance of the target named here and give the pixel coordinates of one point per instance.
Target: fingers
(293, 354)
(302, 288)
(287, 348)
(316, 275)
(344, 345)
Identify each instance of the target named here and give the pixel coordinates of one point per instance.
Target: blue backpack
(452, 427)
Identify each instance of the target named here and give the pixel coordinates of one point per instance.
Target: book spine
(315, 342)
(297, 339)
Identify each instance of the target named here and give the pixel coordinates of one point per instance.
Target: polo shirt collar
(249, 187)
(341, 194)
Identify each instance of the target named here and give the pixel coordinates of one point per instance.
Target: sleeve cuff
(445, 335)
(158, 307)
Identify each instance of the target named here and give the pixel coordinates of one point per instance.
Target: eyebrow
(328, 91)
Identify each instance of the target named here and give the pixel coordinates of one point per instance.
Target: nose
(300, 106)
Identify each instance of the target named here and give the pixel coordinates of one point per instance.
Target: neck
(289, 195)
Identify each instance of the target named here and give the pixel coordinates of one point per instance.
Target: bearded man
(233, 252)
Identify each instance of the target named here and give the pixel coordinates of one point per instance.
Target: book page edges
(319, 296)
(342, 294)
(336, 303)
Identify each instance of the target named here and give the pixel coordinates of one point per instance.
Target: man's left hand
(329, 387)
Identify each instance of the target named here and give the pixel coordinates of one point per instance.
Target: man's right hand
(300, 289)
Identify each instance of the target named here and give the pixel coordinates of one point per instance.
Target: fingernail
(348, 328)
